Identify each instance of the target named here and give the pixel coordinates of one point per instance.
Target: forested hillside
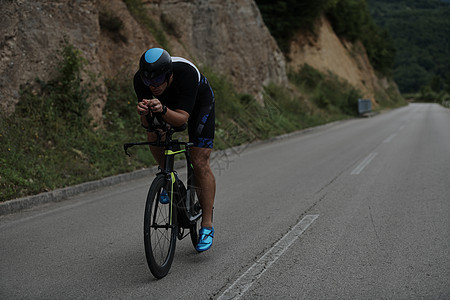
(421, 33)
(350, 20)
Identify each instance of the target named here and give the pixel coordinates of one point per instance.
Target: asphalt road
(358, 209)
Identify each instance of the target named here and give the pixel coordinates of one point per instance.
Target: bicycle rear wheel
(160, 229)
(195, 212)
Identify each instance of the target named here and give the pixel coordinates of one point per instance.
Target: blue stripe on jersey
(180, 59)
(153, 55)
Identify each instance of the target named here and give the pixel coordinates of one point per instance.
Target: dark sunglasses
(155, 82)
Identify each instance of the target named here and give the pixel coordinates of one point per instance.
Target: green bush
(139, 12)
(327, 91)
(49, 142)
(40, 146)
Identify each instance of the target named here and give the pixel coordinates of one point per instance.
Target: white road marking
(389, 138)
(246, 280)
(363, 164)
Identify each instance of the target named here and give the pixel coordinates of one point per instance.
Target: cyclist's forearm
(143, 110)
(144, 121)
(176, 118)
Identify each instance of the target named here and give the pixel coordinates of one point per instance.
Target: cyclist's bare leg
(158, 152)
(205, 181)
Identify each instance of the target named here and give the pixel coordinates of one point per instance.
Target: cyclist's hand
(142, 107)
(155, 106)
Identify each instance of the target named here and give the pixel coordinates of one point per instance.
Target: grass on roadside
(49, 143)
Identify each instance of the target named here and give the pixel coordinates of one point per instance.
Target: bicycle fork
(171, 193)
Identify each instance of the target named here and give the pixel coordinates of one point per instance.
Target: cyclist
(174, 88)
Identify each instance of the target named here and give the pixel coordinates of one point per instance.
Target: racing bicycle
(178, 216)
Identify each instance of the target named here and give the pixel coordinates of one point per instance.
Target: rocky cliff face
(228, 36)
(327, 53)
(33, 31)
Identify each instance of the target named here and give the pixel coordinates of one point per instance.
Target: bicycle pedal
(180, 233)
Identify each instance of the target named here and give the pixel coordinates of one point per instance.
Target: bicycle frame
(165, 222)
(169, 152)
(171, 149)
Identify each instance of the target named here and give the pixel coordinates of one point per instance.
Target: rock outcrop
(325, 52)
(226, 35)
(32, 33)
(230, 36)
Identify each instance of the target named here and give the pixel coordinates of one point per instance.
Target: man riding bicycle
(174, 88)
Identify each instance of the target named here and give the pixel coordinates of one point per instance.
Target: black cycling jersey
(190, 92)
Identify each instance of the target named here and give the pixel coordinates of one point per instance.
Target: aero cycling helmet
(155, 67)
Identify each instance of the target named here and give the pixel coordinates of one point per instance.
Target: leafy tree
(285, 18)
(420, 30)
(350, 19)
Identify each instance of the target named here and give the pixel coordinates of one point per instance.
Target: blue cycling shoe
(164, 197)
(205, 240)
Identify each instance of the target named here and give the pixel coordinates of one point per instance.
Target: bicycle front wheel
(160, 229)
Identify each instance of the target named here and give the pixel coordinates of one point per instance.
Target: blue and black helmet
(155, 67)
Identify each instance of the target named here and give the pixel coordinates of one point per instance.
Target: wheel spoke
(161, 233)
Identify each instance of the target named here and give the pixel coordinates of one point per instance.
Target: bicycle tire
(160, 233)
(194, 209)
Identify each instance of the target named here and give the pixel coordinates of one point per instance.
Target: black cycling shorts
(201, 125)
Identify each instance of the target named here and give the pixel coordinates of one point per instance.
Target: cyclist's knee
(200, 160)
(204, 171)
(151, 137)
(201, 163)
